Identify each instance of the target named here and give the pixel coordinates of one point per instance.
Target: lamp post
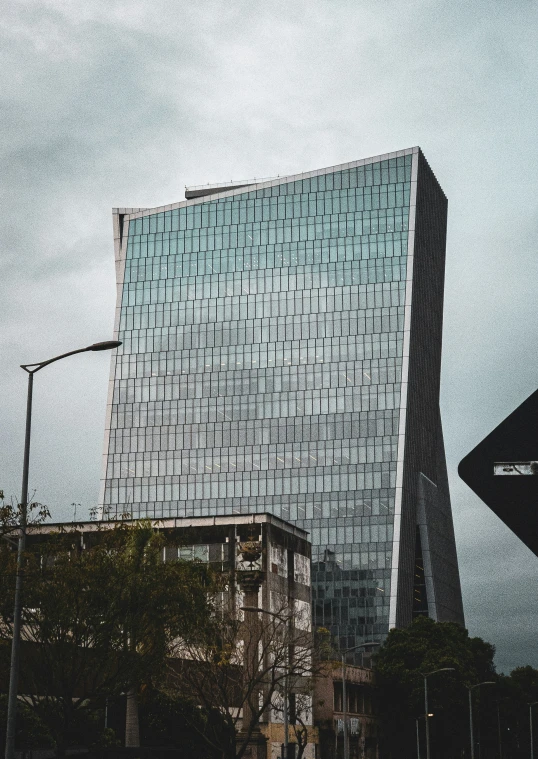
(422, 716)
(31, 369)
(530, 727)
(499, 733)
(344, 696)
(470, 689)
(426, 715)
(285, 714)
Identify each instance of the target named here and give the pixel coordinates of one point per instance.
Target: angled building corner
(425, 574)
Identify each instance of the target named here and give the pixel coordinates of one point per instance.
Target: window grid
(260, 371)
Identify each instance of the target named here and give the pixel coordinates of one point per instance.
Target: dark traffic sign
(503, 471)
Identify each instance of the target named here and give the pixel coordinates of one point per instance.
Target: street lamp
(422, 716)
(285, 715)
(530, 726)
(486, 682)
(344, 697)
(31, 369)
(425, 676)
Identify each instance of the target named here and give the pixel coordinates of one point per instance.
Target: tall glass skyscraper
(281, 353)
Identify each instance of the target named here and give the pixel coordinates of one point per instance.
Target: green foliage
(153, 602)
(31, 731)
(12, 514)
(107, 739)
(100, 611)
(401, 663)
(515, 694)
(84, 728)
(426, 646)
(324, 647)
(523, 685)
(177, 722)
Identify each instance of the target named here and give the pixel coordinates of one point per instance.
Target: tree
(100, 610)
(400, 664)
(32, 731)
(515, 694)
(213, 670)
(167, 722)
(154, 603)
(300, 717)
(10, 516)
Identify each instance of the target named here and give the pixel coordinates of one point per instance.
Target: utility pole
(31, 369)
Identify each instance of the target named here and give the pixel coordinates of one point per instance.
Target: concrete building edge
(121, 233)
(403, 397)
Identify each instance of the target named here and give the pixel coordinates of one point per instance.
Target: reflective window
(260, 372)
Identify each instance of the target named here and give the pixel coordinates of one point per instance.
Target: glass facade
(261, 368)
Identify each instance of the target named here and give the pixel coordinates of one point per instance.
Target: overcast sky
(108, 103)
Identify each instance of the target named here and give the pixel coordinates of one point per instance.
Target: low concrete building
(268, 561)
(361, 712)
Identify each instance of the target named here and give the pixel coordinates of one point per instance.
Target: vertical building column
(250, 581)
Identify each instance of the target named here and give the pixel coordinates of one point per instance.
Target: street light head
(107, 345)
(435, 671)
(362, 645)
(486, 682)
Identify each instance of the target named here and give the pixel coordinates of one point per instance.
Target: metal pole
(286, 712)
(530, 725)
(15, 643)
(418, 740)
(286, 688)
(31, 369)
(471, 721)
(426, 717)
(499, 731)
(344, 708)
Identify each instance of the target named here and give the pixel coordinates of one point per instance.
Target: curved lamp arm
(104, 346)
(31, 369)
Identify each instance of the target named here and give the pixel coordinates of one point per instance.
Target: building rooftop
(175, 522)
(223, 189)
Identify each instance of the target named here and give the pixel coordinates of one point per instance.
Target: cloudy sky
(113, 103)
